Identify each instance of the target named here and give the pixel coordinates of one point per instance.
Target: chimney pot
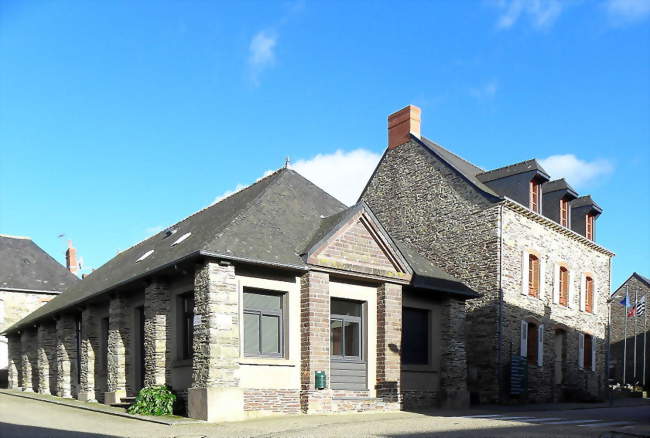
(402, 123)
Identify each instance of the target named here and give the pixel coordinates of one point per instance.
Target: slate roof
(585, 201)
(269, 222)
(25, 266)
(645, 280)
(513, 169)
(558, 184)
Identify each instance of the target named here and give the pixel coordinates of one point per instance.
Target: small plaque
(197, 320)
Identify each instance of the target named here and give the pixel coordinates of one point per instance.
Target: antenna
(287, 162)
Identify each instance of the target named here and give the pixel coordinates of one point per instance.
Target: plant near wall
(153, 400)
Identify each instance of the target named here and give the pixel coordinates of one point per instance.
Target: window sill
(267, 361)
(181, 363)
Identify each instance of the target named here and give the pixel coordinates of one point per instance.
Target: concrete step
(121, 405)
(127, 399)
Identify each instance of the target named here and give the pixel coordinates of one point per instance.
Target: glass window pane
(251, 334)
(270, 334)
(352, 333)
(262, 301)
(345, 307)
(415, 336)
(336, 337)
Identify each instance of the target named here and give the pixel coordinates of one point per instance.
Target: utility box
(320, 380)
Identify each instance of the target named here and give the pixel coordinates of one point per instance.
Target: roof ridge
(455, 155)
(9, 236)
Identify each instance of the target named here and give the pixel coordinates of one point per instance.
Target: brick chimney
(71, 258)
(402, 123)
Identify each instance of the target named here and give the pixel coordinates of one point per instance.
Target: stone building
(637, 326)
(525, 243)
(29, 278)
(240, 305)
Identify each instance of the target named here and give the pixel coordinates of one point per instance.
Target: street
(20, 417)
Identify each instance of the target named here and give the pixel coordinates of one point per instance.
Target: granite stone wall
(66, 355)
(46, 333)
(14, 378)
(119, 335)
(156, 343)
(89, 352)
(29, 367)
(389, 341)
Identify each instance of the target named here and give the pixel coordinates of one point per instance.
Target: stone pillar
(66, 354)
(315, 341)
(15, 361)
(389, 340)
(28, 354)
(215, 394)
(156, 311)
(89, 349)
(46, 357)
(453, 363)
(118, 342)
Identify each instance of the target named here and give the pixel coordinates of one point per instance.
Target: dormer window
(564, 212)
(589, 226)
(535, 195)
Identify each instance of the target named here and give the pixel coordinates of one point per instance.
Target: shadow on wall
(617, 352)
(559, 377)
(16, 430)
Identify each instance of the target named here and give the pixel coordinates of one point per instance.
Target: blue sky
(119, 118)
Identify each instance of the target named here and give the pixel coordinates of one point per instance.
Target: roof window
(181, 239)
(145, 255)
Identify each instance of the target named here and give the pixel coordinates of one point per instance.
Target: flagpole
(625, 337)
(636, 295)
(645, 333)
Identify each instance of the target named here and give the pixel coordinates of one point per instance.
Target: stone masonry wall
(315, 340)
(453, 363)
(523, 234)
(29, 367)
(46, 358)
(284, 401)
(389, 342)
(14, 379)
(118, 344)
(156, 345)
(89, 352)
(422, 201)
(66, 355)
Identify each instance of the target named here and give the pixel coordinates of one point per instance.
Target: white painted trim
(583, 291)
(540, 345)
(556, 283)
(572, 304)
(581, 350)
(523, 347)
(542, 277)
(524, 272)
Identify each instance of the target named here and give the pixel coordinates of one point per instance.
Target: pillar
(28, 353)
(46, 357)
(453, 363)
(89, 350)
(66, 354)
(389, 339)
(315, 341)
(215, 394)
(156, 345)
(15, 361)
(118, 341)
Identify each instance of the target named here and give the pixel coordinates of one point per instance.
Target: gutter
(33, 291)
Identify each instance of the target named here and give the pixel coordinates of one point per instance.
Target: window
(186, 307)
(531, 350)
(534, 195)
(564, 212)
(564, 286)
(589, 226)
(415, 336)
(589, 294)
(587, 352)
(262, 323)
(532, 342)
(533, 275)
(345, 329)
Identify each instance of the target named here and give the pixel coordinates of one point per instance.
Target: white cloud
(150, 231)
(627, 11)
(261, 52)
(577, 172)
(237, 188)
(541, 13)
(486, 91)
(342, 174)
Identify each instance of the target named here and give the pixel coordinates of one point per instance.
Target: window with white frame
(532, 342)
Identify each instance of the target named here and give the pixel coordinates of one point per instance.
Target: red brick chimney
(402, 123)
(71, 258)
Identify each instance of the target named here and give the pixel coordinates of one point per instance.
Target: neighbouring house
(29, 278)
(630, 330)
(243, 307)
(525, 243)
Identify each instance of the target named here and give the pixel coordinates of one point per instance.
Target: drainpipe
(500, 309)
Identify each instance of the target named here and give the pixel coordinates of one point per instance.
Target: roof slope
(24, 265)
(265, 222)
(558, 184)
(513, 169)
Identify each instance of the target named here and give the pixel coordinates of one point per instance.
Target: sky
(120, 118)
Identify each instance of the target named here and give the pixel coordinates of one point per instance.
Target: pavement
(27, 417)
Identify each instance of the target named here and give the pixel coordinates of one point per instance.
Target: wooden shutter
(556, 283)
(581, 350)
(542, 276)
(594, 295)
(571, 290)
(583, 292)
(524, 273)
(523, 350)
(540, 345)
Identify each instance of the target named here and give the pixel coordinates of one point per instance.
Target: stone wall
(14, 377)
(66, 355)
(282, 401)
(29, 367)
(47, 358)
(156, 343)
(119, 335)
(389, 342)
(89, 352)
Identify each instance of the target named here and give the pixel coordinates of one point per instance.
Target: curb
(101, 411)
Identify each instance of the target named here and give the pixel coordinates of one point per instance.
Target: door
(348, 367)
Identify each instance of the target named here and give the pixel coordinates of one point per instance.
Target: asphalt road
(21, 417)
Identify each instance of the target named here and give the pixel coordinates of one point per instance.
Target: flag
(632, 311)
(626, 301)
(640, 307)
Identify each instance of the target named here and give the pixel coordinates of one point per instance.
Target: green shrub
(153, 400)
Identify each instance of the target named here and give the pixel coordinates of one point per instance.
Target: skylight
(145, 255)
(180, 239)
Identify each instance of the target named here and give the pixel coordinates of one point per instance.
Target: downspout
(500, 309)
